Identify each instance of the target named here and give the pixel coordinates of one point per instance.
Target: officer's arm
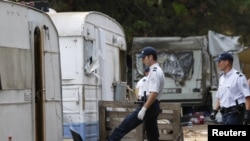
(217, 106)
(247, 111)
(248, 97)
(150, 99)
(247, 103)
(215, 110)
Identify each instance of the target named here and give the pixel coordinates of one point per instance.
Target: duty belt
(228, 110)
(143, 99)
(232, 109)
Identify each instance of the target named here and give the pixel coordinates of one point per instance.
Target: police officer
(233, 95)
(148, 111)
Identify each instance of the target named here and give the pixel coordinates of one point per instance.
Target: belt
(235, 108)
(143, 98)
(224, 110)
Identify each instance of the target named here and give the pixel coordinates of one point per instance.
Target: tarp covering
(244, 56)
(177, 65)
(219, 43)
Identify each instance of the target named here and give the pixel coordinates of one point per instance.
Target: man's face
(146, 73)
(222, 64)
(146, 60)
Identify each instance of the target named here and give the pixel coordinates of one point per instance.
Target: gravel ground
(67, 139)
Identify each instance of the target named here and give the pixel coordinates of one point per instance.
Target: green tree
(169, 17)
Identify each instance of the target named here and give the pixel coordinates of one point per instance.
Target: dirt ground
(190, 133)
(195, 133)
(67, 139)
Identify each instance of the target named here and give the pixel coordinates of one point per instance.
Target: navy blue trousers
(131, 122)
(232, 118)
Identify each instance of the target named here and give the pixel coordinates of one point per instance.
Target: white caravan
(30, 84)
(92, 47)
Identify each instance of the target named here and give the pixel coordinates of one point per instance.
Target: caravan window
(176, 65)
(15, 70)
(90, 57)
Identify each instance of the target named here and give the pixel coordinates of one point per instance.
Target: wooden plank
(165, 126)
(139, 133)
(166, 137)
(172, 106)
(115, 112)
(117, 104)
(166, 116)
(102, 125)
(177, 123)
(113, 123)
(130, 135)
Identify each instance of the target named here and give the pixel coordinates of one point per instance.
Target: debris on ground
(195, 133)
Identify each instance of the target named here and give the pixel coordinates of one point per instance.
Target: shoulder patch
(244, 85)
(240, 74)
(154, 68)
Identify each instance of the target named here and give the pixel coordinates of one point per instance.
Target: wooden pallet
(111, 113)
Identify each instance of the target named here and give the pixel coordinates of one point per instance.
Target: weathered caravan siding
(91, 45)
(30, 85)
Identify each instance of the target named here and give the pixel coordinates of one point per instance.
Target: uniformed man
(233, 94)
(148, 111)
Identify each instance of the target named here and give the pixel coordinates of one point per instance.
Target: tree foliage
(170, 17)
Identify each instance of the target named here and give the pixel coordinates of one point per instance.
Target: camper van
(92, 47)
(30, 75)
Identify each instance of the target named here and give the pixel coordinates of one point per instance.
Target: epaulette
(240, 75)
(154, 68)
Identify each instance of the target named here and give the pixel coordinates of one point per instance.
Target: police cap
(224, 56)
(147, 51)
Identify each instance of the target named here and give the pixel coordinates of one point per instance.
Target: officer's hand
(247, 117)
(142, 112)
(213, 114)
